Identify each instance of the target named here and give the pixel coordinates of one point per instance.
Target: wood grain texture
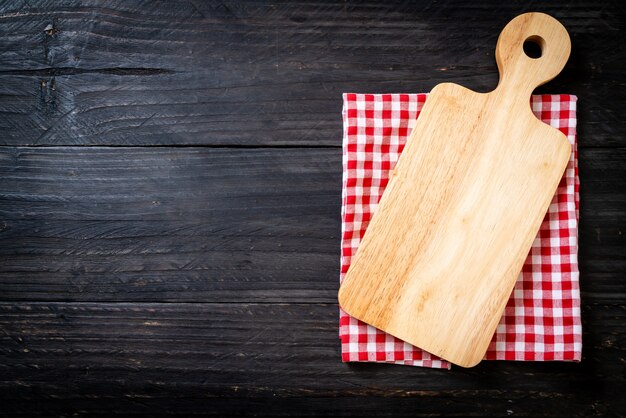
(145, 73)
(170, 224)
(167, 280)
(463, 205)
(228, 359)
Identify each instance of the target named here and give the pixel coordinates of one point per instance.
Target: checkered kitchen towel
(542, 318)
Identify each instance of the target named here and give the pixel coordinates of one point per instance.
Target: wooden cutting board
(463, 205)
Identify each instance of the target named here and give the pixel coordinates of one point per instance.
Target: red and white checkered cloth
(542, 318)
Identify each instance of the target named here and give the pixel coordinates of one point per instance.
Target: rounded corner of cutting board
(341, 298)
(465, 358)
(468, 363)
(566, 146)
(350, 305)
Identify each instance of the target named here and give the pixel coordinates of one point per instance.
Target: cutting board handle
(518, 71)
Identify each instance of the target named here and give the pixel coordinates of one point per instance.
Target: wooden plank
(602, 258)
(75, 357)
(133, 73)
(200, 224)
(170, 224)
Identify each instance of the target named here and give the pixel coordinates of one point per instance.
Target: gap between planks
(233, 146)
(216, 146)
(165, 302)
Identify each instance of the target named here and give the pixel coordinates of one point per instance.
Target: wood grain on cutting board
(463, 205)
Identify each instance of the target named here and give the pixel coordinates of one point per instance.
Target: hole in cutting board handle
(517, 69)
(533, 46)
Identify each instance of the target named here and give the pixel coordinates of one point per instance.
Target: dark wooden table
(170, 185)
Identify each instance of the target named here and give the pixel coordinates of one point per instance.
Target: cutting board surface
(463, 205)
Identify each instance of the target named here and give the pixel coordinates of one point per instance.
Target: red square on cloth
(541, 320)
